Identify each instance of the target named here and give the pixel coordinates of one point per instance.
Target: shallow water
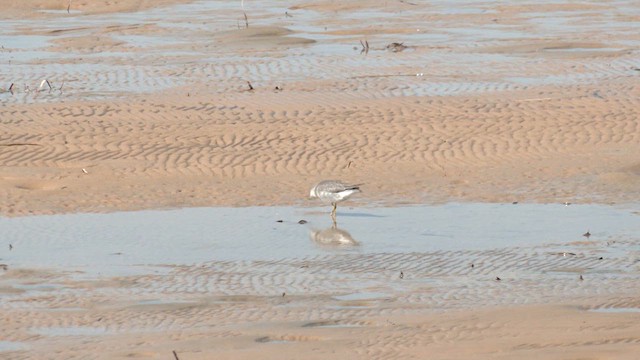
(70, 331)
(446, 46)
(129, 242)
(6, 346)
(153, 271)
(617, 310)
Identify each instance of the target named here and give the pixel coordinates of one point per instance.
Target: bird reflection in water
(333, 237)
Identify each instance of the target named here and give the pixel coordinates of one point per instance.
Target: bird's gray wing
(334, 186)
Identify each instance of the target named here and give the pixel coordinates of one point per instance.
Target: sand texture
(508, 105)
(132, 105)
(40, 8)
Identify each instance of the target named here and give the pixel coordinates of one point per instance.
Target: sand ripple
(316, 296)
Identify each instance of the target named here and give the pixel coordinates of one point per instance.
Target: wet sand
(171, 104)
(512, 281)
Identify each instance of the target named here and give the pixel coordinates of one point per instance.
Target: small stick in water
(365, 47)
(45, 81)
(246, 20)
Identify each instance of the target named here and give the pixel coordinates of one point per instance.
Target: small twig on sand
(11, 88)
(246, 20)
(365, 47)
(250, 86)
(20, 144)
(175, 355)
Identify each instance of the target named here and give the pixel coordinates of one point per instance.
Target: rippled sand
(488, 102)
(168, 104)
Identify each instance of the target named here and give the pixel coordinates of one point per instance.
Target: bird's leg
(333, 212)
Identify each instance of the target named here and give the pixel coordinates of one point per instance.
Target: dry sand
(150, 108)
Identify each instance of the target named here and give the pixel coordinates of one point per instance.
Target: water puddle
(71, 331)
(267, 339)
(164, 302)
(6, 346)
(463, 11)
(332, 324)
(583, 49)
(147, 53)
(38, 287)
(163, 305)
(362, 296)
(60, 12)
(143, 240)
(616, 310)
(64, 309)
(22, 42)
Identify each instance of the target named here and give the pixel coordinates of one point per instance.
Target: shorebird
(333, 191)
